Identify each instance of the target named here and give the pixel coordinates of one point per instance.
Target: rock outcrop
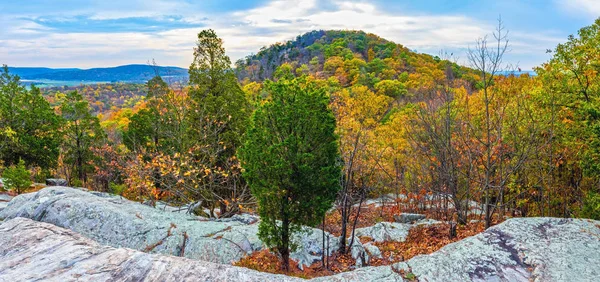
(56, 182)
(520, 249)
(391, 231)
(117, 222)
(36, 251)
(4, 199)
(408, 217)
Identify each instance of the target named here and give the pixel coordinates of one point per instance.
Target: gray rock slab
(5, 197)
(372, 250)
(408, 217)
(114, 221)
(385, 231)
(36, 251)
(553, 249)
(520, 249)
(56, 182)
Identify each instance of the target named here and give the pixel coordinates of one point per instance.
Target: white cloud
(590, 8)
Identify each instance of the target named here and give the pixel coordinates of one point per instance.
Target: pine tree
(82, 131)
(28, 124)
(219, 116)
(291, 161)
(17, 177)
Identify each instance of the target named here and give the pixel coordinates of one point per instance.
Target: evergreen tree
(216, 93)
(82, 131)
(291, 161)
(219, 115)
(17, 177)
(28, 125)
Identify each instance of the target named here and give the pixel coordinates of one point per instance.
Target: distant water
(42, 83)
(518, 73)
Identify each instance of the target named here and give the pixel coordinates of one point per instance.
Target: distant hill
(31, 71)
(351, 57)
(127, 73)
(348, 55)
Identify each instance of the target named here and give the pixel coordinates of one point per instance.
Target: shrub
(117, 189)
(591, 206)
(17, 177)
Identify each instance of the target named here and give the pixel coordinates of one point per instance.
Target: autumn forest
(336, 130)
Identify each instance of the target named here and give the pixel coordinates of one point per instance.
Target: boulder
(35, 251)
(385, 231)
(372, 250)
(56, 182)
(408, 217)
(358, 253)
(114, 221)
(520, 249)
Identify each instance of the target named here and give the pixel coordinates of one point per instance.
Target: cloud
(282, 21)
(590, 8)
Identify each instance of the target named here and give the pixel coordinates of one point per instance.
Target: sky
(104, 33)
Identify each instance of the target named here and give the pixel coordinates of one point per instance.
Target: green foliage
(216, 94)
(117, 189)
(391, 88)
(291, 160)
(591, 206)
(82, 132)
(571, 76)
(29, 128)
(142, 131)
(17, 177)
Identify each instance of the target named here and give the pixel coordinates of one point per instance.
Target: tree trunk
(323, 249)
(284, 249)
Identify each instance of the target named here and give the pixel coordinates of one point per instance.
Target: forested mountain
(353, 57)
(126, 73)
(26, 72)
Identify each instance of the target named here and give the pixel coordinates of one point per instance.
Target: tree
(571, 98)
(162, 124)
(219, 115)
(359, 113)
(291, 161)
(488, 61)
(17, 177)
(82, 131)
(29, 127)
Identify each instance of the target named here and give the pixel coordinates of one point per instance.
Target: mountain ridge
(125, 73)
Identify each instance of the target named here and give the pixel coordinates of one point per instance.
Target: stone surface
(408, 217)
(385, 231)
(364, 274)
(35, 251)
(5, 197)
(114, 221)
(391, 231)
(358, 253)
(520, 249)
(555, 250)
(56, 182)
(372, 250)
